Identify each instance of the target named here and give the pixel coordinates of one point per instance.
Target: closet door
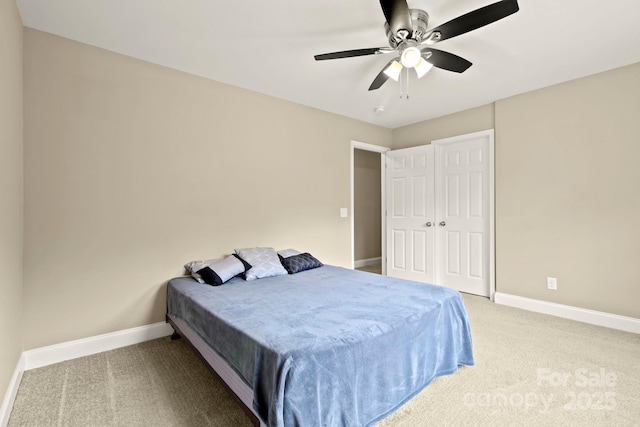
(463, 210)
(439, 210)
(410, 213)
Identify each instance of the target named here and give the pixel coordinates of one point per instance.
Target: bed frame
(237, 388)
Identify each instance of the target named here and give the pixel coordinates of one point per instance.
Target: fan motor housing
(420, 21)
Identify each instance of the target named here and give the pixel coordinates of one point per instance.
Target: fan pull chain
(406, 85)
(407, 74)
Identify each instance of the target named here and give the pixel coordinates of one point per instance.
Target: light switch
(343, 212)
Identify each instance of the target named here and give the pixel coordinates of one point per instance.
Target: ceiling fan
(407, 32)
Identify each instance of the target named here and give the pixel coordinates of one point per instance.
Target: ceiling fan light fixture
(407, 31)
(422, 68)
(411, 56)
(393, 70)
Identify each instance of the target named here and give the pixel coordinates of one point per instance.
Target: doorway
(368, 238)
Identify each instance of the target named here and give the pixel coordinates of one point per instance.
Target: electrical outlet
(552, 283)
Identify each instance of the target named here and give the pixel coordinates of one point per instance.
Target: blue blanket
(329, 346)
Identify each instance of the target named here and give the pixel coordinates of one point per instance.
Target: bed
(324, 347)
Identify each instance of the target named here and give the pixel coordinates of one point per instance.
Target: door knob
(442, 223)
(428, 224)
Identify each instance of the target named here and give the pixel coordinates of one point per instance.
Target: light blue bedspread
(329, 346)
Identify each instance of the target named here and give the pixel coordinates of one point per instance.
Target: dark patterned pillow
(297, 263)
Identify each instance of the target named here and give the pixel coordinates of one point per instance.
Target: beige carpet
(531, 370)
(156, 383)
(375, 268)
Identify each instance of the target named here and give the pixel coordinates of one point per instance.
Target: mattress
(328, 346)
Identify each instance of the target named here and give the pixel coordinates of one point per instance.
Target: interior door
(410, 213)
(463, 201)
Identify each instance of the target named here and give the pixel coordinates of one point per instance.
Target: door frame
(490, 133)
(357, 145)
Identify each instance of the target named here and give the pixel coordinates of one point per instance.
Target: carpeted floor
(375, 268)
(156, 383)
(531, 370)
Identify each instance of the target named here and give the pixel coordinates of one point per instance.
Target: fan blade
(476, 19)
(381, 78)
(397, 14)
(445, 60)
(352, 53)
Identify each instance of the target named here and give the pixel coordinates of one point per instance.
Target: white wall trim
(367, 262)
(12, 391)
(615, 321)
(49, 355)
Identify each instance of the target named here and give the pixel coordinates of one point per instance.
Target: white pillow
(286, 253)
(216, 271)
(264, 262)
(194, 266)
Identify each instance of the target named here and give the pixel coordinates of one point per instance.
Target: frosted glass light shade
(422, 67)
(393, 70)
(410, 57)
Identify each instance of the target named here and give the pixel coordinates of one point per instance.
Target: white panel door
(410, 213)
(463, 237)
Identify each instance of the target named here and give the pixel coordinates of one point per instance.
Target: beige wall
(367, 205)
(11, 191)
(133, 169)
(568, 192)
(473, 120)
(567, 188)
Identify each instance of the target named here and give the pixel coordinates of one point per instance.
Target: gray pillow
(264, 262)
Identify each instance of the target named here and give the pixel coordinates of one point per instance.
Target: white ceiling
(268, 47)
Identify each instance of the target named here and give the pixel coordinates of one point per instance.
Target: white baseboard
(49, 355)
(367, 262)
(623, 323)
(12, 391)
